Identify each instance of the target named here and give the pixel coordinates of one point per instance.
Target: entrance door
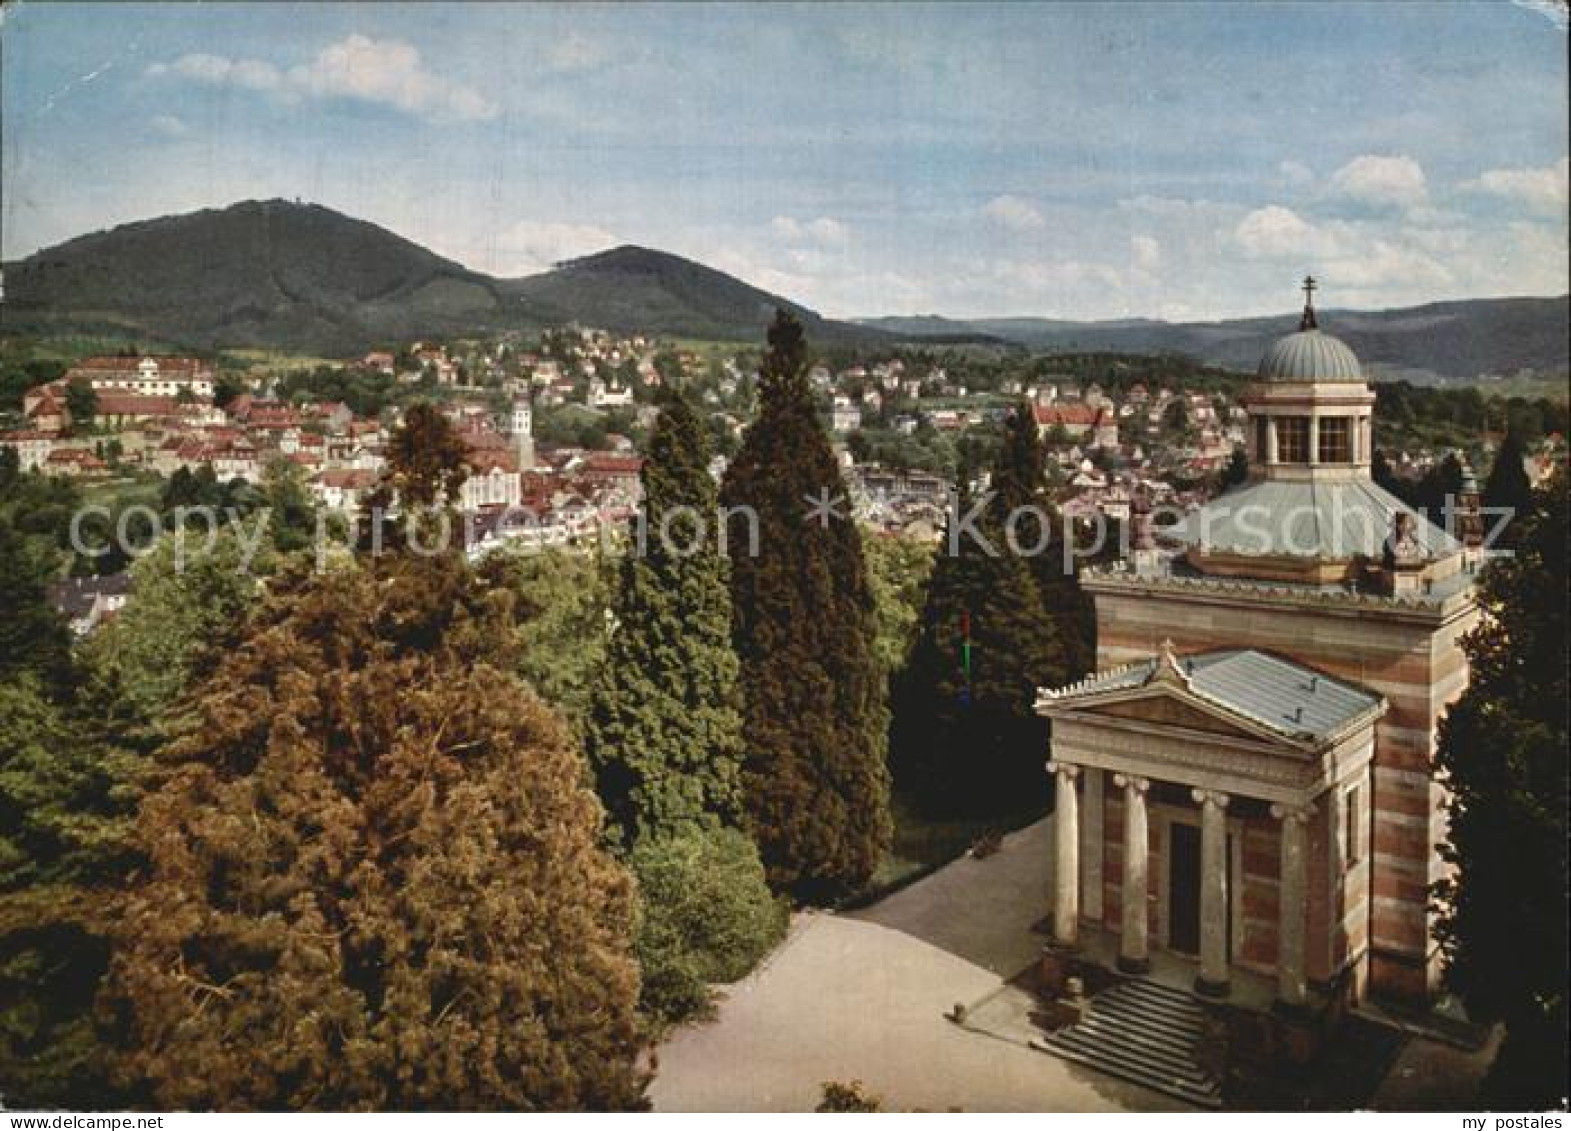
(1183, 888)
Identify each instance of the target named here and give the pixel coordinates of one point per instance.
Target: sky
(1173, 160)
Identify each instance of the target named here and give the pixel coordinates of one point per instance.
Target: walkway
(863, 996)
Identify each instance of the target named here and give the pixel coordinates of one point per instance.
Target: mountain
(269, 274)
(299, 277)
(281, 275)
(635, 289)
(1438, 342)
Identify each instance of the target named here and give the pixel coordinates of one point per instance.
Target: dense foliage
(560, 604)
(665, 729)
(815, 782)
(1503, 753)
(374, 876)
(706, 916)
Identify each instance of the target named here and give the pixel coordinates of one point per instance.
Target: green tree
(291, 511)
(560, 601)
(33, 637)
(815, 781)
(1508, 486)
(1439, 488)
(665, 723)
(375, 878)
(1020, 498)
(1503, 753)
(967, 739)
(898, 571)
(665, 737)
(67, 800)
(226, 387)
(1236, 473)
(425, 457)
(706, 916)
(187, 601)
(81, 402)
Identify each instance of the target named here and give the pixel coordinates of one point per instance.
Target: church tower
(1250, 774)
(521, 428)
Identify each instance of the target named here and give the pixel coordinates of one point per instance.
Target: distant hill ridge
(1448, 341)
(289, 276)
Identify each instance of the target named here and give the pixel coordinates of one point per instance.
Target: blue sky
(1170, 160)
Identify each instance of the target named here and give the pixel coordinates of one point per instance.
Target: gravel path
(863, 997)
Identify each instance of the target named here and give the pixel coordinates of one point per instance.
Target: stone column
(1213, 980)
(1314, 438)
(1066, 865)
(1134, 955)
(1292, 892)
(1271, 444)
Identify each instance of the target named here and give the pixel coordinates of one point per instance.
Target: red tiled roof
(356, 479)
(484, 461)
(135, 404)
(606, 463)
(1070, 414)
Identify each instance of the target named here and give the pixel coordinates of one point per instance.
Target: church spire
(1307, 322)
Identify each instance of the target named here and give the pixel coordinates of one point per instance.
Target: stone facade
(1261, 832)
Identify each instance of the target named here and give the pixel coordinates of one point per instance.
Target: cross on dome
(1308, 321)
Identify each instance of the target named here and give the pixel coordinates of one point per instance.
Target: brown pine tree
(375, 878)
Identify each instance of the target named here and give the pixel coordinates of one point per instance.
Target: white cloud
(1146, 252)
(1014, 212)
(1373, 179)
(169, 126)
(825, 230)
(1543, 190)
(1274, 231)
(218, 70)
(387, 72)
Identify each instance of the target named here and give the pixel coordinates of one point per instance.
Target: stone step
(1143, 1032)
(1158, 1068)
(1203, 1094)
(1178, 1049)
(1147, 988)
(1175, 1054)
(1156, 992)
(1151, 1012)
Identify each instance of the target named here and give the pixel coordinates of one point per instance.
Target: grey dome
(1310, 355)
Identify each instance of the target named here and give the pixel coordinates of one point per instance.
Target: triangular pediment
(1164, 706)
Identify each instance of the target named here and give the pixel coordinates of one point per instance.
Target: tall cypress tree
(967, 738)
(1508, 485)
(665, 723)
(1019, 484)
(815, 781)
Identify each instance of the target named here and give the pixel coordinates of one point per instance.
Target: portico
(1223, 783)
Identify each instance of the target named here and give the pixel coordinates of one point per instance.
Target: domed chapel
(1245, 787)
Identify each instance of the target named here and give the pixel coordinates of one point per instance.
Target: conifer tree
(665, 737)
(68, 793)
(665, 724)
(1503, 753)
(374, 874)
(815, 781)
(967, 738)
(1019, 484)
(1508, 486)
